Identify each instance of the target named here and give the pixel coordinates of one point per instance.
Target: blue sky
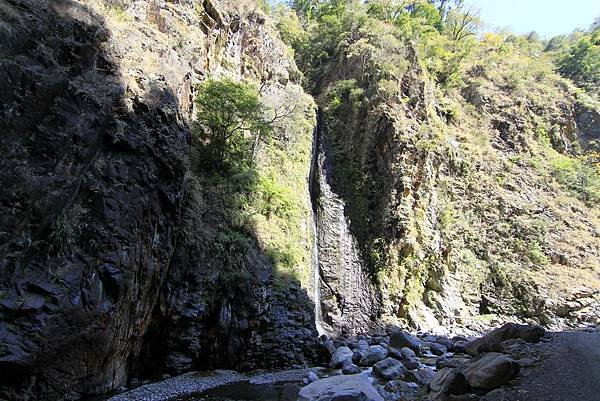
(547, 17)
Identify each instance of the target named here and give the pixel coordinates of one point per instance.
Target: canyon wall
(110, 267)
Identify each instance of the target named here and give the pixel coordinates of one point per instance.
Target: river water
(248, 392)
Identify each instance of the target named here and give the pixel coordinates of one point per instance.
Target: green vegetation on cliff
(458, 152)
(250, 161)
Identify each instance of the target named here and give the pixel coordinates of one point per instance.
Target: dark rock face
(349, 300)
(92, 182)
(588, 127)
(98, 279)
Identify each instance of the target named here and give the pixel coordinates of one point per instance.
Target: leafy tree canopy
(227, 112)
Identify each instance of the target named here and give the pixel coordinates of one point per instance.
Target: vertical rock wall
(347, 295)
(98, 238)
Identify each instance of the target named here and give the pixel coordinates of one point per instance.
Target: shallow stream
(246, 391)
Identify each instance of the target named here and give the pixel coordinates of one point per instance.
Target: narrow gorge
(383, 193)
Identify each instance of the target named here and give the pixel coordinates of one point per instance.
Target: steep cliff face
(107, 239)
(461, 201)
(93, 176)
(347, 296)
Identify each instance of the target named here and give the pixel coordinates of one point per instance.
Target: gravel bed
(196, 382)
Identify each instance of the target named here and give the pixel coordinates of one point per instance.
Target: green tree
(290, 28)
(462, 22)
(582, 62)
(227, 112)
(388, 10)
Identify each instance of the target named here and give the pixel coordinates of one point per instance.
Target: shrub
(227, 110)
(274, 199)
(578, 175)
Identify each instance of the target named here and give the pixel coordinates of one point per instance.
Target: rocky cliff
(462, 202)
(411, 201)
(117, 259)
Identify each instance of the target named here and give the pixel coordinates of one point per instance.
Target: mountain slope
(463, 165)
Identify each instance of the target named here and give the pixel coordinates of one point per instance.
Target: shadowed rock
(400, 339)
(491, 371)
(446, 383)
(492, 342)
(389, 369)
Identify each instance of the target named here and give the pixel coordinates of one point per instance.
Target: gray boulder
(350, 369)
(407, 353)
(362, 345)
(422, 376)
(491, 371)
(357, 356)
(394, 353)
(329, 346)
(389, 369)
(340, 356)
(374, 354)
(460, 347)
(400, 339)
(405, 389)
(437, 349)
(389, 396)
(311, 377)
(341, 388)
(492, 342)
(411, 363)
(447, 383)
(453, 362)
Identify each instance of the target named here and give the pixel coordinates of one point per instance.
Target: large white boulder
(341, 388)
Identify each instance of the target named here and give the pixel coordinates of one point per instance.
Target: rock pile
(401, 366)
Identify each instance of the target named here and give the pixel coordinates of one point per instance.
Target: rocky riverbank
(393, 366)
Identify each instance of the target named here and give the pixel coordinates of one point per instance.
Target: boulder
(374, 354)
(445, 341)
(341, 388)
(340, 356)
(329, 346)
(407, 353)
(422, 376)
(388, 395)
(459, 347)
(394, 353)
(491, 371)
(357, 356)
(362, 345)
(447, 383)
(492, 342)
(437, 349)
(411, 363)
(350, 369)
(405, 389)
(400, 339)
(389, 369)
(311, 377)
(453, 362)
